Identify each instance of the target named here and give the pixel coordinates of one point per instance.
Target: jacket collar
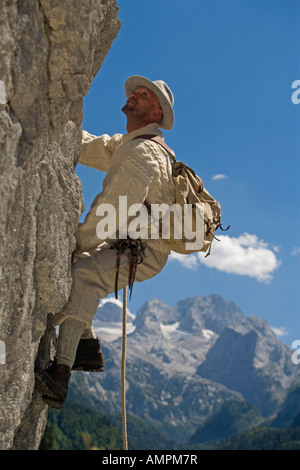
(149, 129)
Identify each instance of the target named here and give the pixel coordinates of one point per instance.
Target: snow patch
(110, 331)
(172, 332)
(208, 334)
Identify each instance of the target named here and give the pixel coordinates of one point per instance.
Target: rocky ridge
(184, 362)
(50, 52)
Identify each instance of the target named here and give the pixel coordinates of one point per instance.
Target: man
(141, 170)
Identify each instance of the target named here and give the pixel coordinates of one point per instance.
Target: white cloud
(281, 331)
(296, 251)
(245, 255)
(219, 176)
(188, 261)
(111, 300)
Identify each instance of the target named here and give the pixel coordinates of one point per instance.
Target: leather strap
(160, 141)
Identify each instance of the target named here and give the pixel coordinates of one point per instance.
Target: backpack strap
(160, 141)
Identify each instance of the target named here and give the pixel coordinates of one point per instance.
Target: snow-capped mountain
(184, 362)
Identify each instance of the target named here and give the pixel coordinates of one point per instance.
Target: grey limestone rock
(50, 51)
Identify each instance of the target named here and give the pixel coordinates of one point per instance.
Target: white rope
(123, 366)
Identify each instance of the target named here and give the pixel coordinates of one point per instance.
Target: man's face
(143, 104)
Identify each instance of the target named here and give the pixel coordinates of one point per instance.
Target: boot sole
(88, 368)
(53, 402)
(41, 386)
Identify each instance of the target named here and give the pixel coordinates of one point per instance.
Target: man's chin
(126, 109)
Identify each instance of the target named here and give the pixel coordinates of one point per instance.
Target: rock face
(50, 52)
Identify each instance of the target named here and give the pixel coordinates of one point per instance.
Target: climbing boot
(89, 356)
(52, 383)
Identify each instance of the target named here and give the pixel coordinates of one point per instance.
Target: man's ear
(157, 114)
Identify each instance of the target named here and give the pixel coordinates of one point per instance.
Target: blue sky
(230, 65)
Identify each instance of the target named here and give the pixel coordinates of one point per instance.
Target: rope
(123, 366)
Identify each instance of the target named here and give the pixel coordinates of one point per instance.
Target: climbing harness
(136, 254)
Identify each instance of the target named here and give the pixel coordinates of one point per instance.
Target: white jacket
(139, 169)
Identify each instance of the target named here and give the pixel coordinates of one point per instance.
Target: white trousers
(93, 278)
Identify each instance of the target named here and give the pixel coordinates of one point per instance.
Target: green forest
(79, 428)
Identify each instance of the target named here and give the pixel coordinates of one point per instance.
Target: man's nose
(133, 95)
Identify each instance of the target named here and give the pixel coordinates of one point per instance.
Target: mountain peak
(199, 353)
(153, 313)
(211, 312)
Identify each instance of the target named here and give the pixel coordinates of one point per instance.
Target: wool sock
(70, 332)
(88, 333)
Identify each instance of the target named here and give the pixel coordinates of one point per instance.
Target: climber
(138, 169)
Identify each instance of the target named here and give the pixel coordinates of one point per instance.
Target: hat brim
(134, 82)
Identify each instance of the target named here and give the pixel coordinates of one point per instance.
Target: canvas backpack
(190, 192)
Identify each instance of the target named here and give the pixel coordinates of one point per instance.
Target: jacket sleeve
(131, 179)
(96, 152)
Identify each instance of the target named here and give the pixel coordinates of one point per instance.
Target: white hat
(162, 92)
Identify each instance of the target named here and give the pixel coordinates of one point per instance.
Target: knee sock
(88, 333)
(70, 333)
